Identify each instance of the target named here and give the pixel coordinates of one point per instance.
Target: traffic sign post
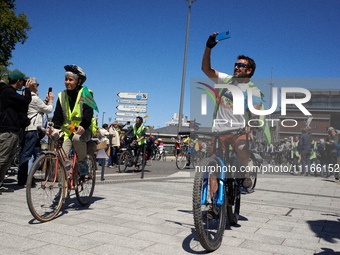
(131, 108)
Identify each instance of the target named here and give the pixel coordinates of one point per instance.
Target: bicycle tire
(182, 160)
(122, 163)
(209, 230)
(85, 184)
(157, 155)
(43, 199)
(233, 201)
(233, 195)
(253, 175)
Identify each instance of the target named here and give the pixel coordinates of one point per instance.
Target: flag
(87, 98)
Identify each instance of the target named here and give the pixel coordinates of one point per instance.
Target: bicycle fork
(220, 199)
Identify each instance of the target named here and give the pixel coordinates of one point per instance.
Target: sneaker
(247, 183)
(5, 189)
(84, 168)
(112, 166)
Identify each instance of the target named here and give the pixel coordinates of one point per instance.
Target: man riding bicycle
(70, 111)
(243, 70)
(138, 131)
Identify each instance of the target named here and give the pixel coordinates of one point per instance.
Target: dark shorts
(230, 139)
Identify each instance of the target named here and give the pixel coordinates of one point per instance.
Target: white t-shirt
(225, 119)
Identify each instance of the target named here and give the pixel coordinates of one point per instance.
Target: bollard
(103, 168)
(143, 161)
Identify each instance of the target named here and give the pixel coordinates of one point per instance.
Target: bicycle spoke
(85, 183)
(46, 188)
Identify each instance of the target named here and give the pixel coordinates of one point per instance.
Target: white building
(174, 121)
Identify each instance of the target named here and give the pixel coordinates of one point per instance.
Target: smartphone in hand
(222, 36)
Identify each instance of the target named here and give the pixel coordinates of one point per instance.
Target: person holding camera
(36, 110)
(13, 119)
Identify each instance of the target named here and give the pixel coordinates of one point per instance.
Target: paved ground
(285, 215)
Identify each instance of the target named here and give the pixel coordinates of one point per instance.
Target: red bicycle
(52, 178)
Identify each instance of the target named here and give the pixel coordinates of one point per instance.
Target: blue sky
(133, 45)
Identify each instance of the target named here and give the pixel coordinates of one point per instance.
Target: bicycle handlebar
(56, 136)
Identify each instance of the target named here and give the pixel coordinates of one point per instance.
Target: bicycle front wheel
(85, 183)
(209, 218)
(182, 160)
(157, 155)
(124, 161)
(46, 187)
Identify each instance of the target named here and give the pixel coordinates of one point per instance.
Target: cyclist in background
(138, 130)
(69, 111)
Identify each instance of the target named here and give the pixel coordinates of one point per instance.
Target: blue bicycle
(217, 193)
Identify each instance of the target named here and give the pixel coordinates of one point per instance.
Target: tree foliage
(13, 30)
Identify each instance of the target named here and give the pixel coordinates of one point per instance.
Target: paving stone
(155, 217)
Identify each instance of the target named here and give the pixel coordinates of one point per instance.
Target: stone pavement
(285, 215)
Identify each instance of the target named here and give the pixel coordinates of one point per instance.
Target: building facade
(324, 107)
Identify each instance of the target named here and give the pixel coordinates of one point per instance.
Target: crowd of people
(23, 114)
(116, 137)
(23, 123)
(304, 155)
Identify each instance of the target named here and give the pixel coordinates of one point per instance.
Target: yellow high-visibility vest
(75, 117)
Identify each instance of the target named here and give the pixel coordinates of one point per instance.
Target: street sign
(127, 101)
(127, 119)
(131, 108)
(130, 114)
(133, 95)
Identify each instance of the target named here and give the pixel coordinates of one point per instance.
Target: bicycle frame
(61, 157)
(222, 182)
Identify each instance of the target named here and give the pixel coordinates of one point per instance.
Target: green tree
(13, 29)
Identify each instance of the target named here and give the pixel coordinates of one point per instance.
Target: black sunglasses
(240, 65)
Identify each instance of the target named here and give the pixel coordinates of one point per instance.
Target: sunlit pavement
(285, 215)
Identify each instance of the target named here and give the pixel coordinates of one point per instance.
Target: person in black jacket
(305, 148)
(13, 119)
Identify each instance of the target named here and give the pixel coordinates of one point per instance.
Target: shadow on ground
(328, 230)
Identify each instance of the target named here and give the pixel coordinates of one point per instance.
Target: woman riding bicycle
(69, 111)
